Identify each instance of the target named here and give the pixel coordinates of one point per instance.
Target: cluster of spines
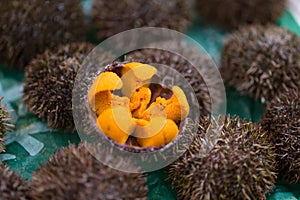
(282, 122)
(73, 173)
(49, 81)
(239, 166)
(261, 61)
(29, 27)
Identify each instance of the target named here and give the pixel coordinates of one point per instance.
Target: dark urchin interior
(28, 27)
(112, 17)
(261, 61)
(49, 80)
(234, 13)
(239, 166)
(282, 121)
(73, 173)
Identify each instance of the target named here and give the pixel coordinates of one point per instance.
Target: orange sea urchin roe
(136, 75)
(116, 123)
(176, 108)
(167, 133)
(148, 128)
(131, 115)
(106, 81)
(105, 100)
(139, 101)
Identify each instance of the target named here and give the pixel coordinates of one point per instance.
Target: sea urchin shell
(262, 61)
(73, 173)
(49, 82)
(239, 166)
(282, 121)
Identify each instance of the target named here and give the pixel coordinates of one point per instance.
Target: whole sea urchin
(49, 80)
(188, 71)
(239, 166)
(282, 121)
(73, 173)
(112, 17)
(262, 61)
(5, 126)
(28, 27)
(12, 187)
(233, 13)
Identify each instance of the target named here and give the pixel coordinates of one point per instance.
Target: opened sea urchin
(239, 166)
(73, 173)
(28, 27)
(5, 126)
(112, 17)
(145, 112)
(49, 80)
(262, 61)
(233, 13)
(282, 121)
(12, 187)
(188, 71)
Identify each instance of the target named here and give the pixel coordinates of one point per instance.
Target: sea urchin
(239, 166)
(28, 27)
(282, 121)
(49, 80)
(234, 13)
(262, 61)
(12, 187)
(73, 173)
(112, 17)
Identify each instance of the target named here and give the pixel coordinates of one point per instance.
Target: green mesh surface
(34, 142)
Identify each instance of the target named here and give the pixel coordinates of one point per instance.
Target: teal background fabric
(32, 142)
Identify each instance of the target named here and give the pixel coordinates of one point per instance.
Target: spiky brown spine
(5, 126)
(234, 13)
(12, 187)
(49, 80)
(239, 166)
(28, 27)
(262, 61)
(282, 121)
(112, 17)
(184, 67)
(73, 173)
